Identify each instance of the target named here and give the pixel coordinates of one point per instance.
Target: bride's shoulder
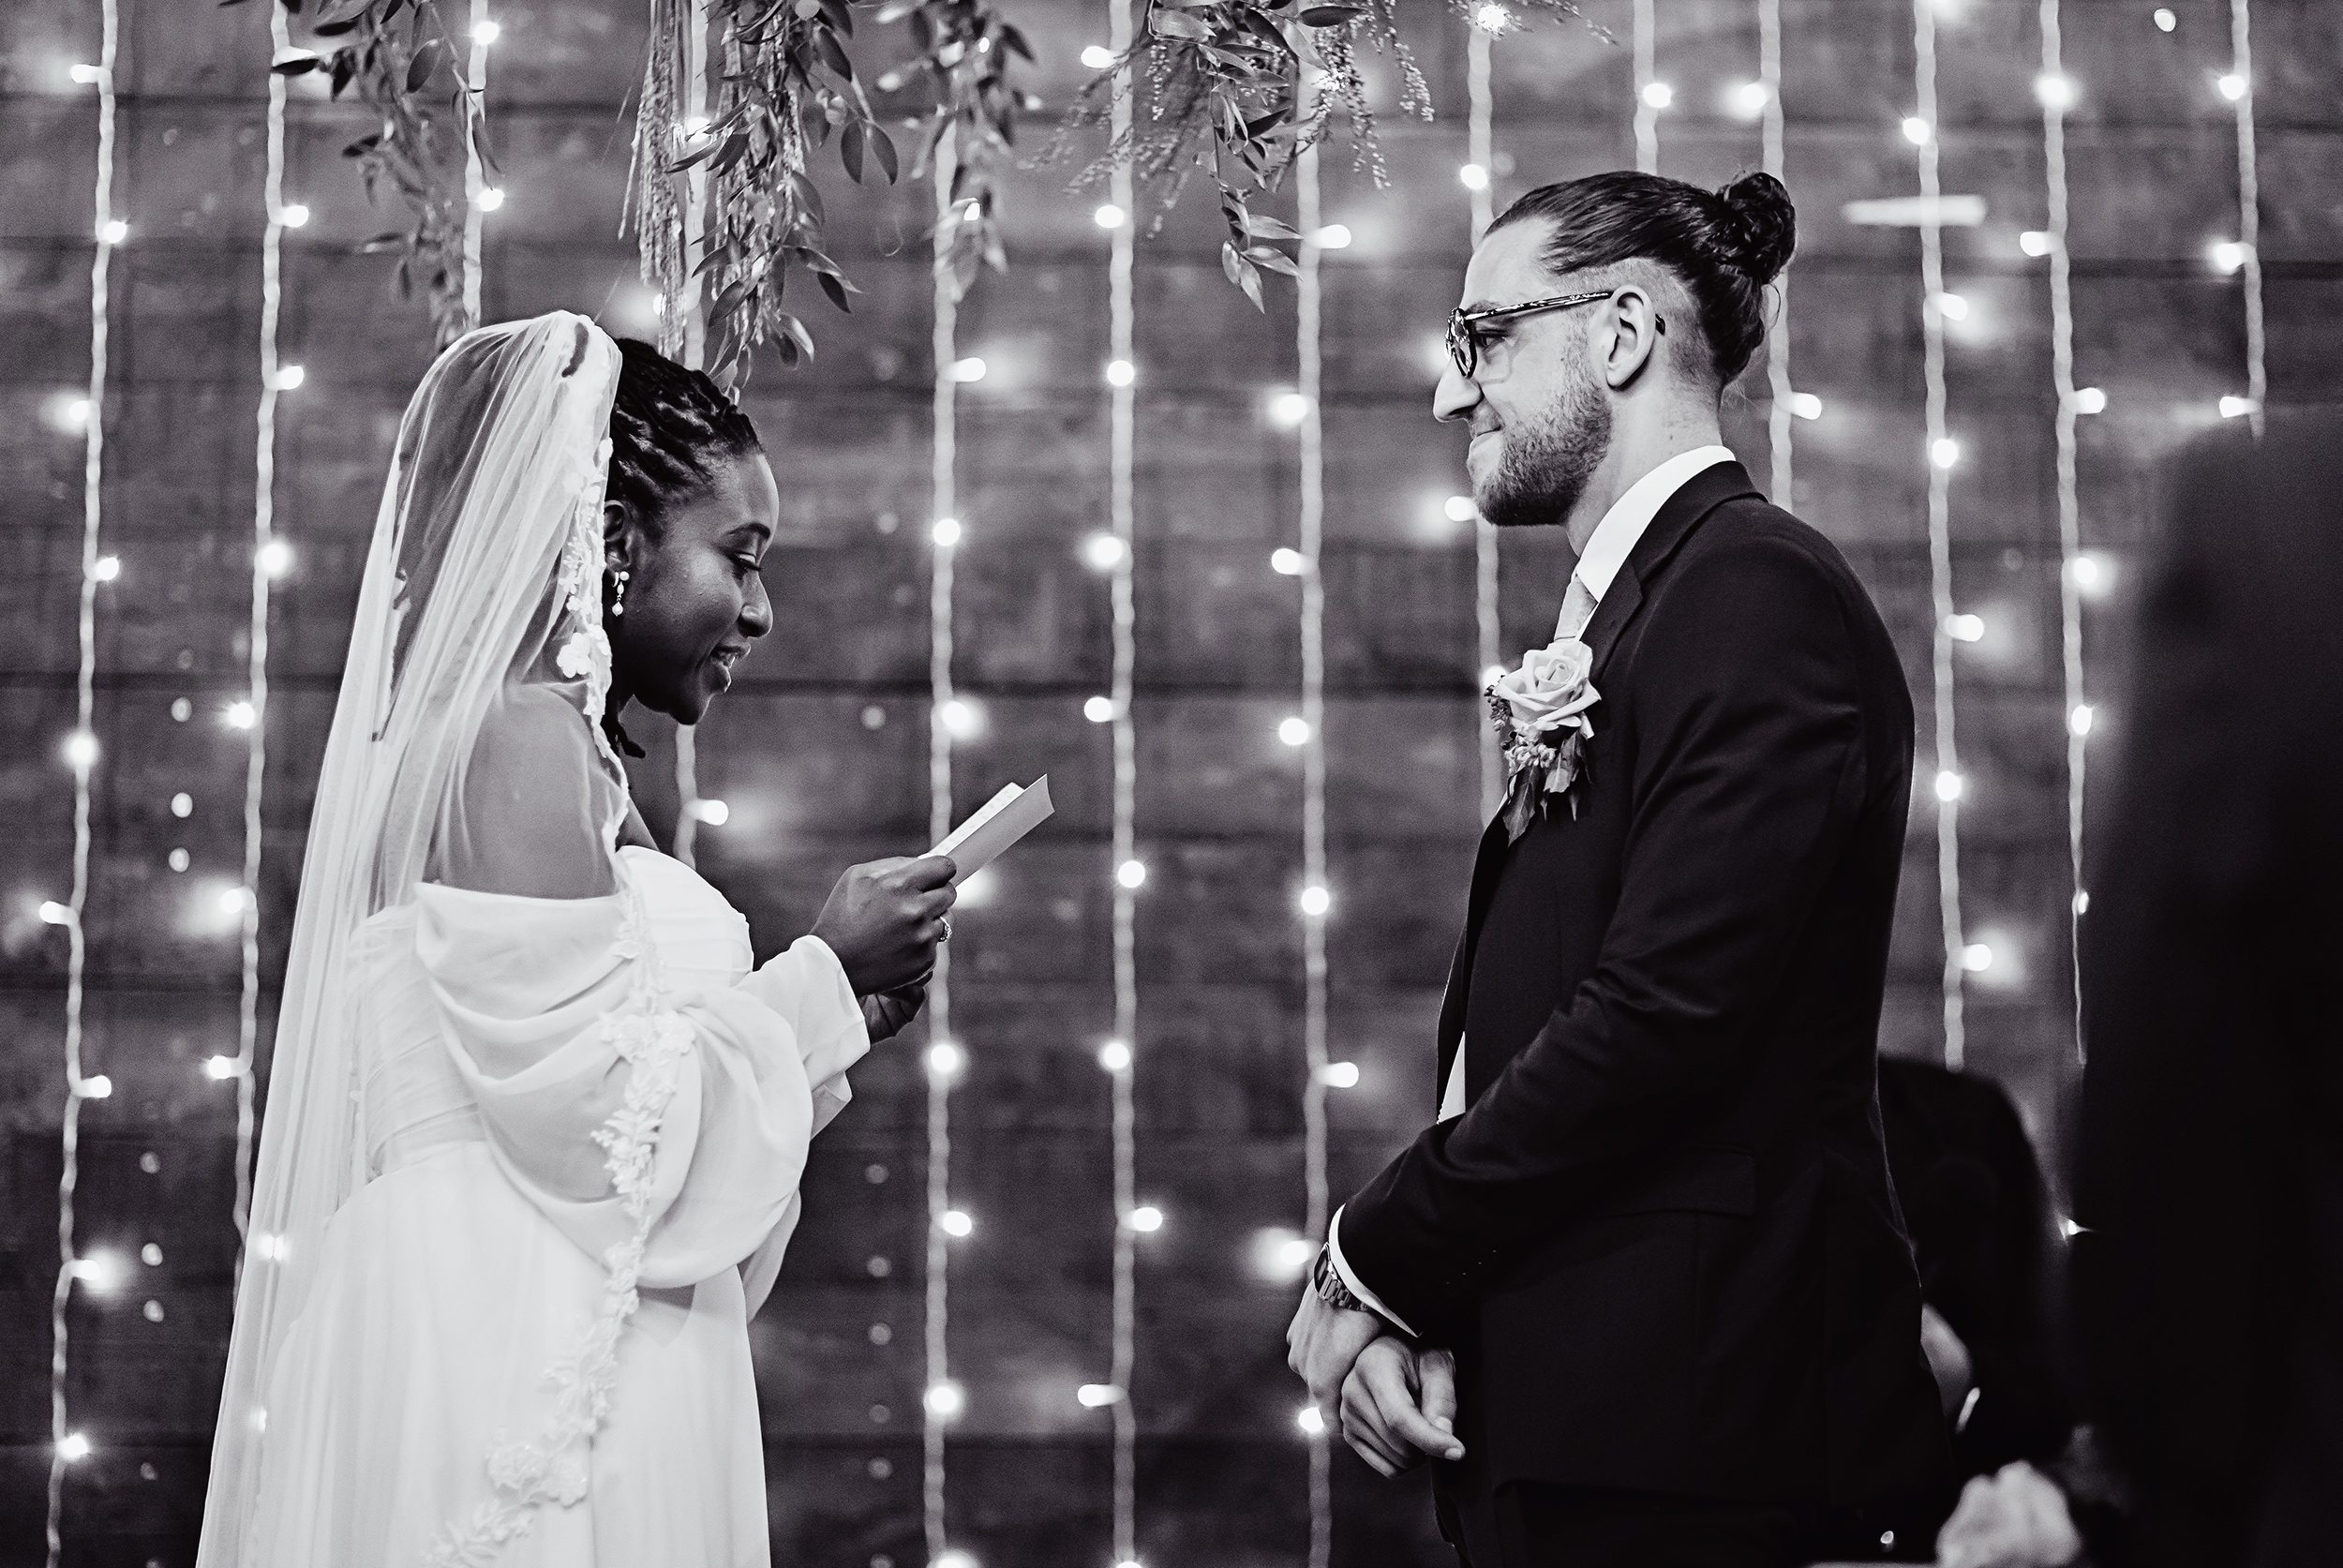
(526, 813)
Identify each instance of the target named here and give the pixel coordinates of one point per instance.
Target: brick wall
(820, 750)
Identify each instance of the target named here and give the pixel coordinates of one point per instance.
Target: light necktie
(1577, 610)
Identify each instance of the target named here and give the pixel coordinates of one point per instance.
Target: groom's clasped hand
(1393, 1402)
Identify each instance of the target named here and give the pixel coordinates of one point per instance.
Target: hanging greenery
(1237, 89)
(961, 50)
(1232, 89)
(399, 58)
(788, 87)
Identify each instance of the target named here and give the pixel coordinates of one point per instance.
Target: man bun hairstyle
(669, 428)
(1724, 246)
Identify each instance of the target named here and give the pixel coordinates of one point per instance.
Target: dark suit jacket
(2208, 1169)
(1663, 1240)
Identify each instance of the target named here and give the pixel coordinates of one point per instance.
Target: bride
(537, 1119)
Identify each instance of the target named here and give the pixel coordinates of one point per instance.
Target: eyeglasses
(1464, 337)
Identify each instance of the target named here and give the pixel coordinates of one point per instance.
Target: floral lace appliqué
(553, 1466)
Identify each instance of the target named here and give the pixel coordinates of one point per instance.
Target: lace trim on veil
(652, 1037)
(553, 1466)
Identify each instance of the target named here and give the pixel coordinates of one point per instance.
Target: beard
(1550, 458)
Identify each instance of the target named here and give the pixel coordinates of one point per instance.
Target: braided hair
(668, 427)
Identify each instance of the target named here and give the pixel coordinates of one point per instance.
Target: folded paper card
(1009, 815)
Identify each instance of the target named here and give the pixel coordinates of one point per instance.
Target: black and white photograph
(1171, 784)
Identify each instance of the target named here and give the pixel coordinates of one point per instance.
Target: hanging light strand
(82, 756)
(1487, 624)
(2069, 506)
(683, 306)
(944, 504)
(1939, 457)
(1782, 393)
(1311, 458)
(1648, 100)
(264, 548)
(483, 33)
(2248, 210)
(1122, 460)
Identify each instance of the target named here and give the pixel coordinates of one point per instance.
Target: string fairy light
(686, 307)
(1309, 540)
(1121, 510)
(2069, 507)
(2248, 206)
(1943, 453)
(82, 753)
(1487, 624)
(1782, 403)
(941, 1403)
(1651, 93)
(252, 715)
(478, 201)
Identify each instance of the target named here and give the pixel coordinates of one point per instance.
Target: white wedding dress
(535, 1125)
(469, 1264)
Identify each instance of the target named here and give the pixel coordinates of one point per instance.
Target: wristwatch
(1328, 1282)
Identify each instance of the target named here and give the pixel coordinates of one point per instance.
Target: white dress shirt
(1607, 549)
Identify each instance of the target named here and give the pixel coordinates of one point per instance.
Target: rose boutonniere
(1544, 722)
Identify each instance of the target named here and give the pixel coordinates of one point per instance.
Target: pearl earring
(618, 603)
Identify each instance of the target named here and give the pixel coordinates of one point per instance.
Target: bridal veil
(479, 617)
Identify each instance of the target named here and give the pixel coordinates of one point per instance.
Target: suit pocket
(1702, 1179)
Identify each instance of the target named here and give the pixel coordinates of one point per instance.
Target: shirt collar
(1615, 536)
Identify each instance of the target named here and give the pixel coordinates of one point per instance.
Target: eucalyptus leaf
(733, 150)
(425, 60)
(833, 53)
(1177, 25)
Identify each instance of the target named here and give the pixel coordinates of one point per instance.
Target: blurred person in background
(2207, 1279)
(1987, 1242)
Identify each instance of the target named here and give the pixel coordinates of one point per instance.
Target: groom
(1644, 1288)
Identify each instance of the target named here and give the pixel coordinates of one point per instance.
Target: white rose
(1551, 691)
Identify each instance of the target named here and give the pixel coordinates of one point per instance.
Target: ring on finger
(947, 935)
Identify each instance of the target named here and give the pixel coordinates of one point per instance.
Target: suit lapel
(1611, 616)
(1486, 863)
(1674, 523)
(1670, 526)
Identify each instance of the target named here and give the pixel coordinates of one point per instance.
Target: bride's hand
(884, 920)
(886, 1014)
